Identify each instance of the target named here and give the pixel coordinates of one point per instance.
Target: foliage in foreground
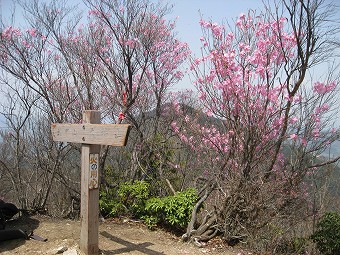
(327, 235)
(133, 200)
(128, 200)
(173, 211)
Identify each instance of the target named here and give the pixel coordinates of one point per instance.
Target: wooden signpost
(91, 134)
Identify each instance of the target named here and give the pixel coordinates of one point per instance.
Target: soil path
(114, 238)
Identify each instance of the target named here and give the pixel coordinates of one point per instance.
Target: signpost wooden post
(91, 134)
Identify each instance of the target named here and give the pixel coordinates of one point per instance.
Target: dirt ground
(115, 237)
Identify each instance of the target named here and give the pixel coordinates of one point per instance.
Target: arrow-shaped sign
(103, 134)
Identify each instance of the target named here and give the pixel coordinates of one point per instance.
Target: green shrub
(128, 200)
(150, 221)
(133, 197)
(173, 211)
(327, 235)
(109, 204)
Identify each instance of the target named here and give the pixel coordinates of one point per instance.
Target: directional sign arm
(103, 134)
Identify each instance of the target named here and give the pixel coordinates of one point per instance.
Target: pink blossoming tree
(266, 120)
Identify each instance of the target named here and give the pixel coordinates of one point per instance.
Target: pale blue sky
(189, 11)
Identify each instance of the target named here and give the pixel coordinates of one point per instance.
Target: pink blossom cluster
(8, 32)
(216, 29)
(322, 88)
(27, 44)
(211, 138)
(244, 86)
(321, 109)
(32, 31)
(235, 84)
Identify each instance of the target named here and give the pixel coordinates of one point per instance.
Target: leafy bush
(327, 235)
(109, 204)
(129, 199)
(132, 199)
(174, 211)
(133, 196)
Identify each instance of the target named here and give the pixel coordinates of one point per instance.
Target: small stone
(71, 252)
(61, 249)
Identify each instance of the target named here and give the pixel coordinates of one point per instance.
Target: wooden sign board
(91, 135)
(102, 134)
